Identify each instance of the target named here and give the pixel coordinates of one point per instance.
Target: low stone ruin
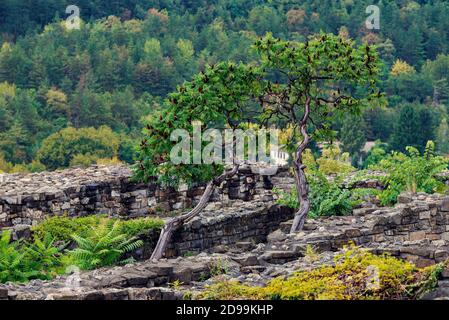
(417, 229)
(27, 199)
(245, 230)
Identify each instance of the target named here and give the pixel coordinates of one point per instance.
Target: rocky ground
(416, 229)
(53, 182)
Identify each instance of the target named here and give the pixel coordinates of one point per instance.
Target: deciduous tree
(310, 83)
(218, 97)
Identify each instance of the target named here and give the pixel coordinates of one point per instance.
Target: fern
(411, 172)
(12, 261)
(44, 257)
(327, 198)
(105, 246)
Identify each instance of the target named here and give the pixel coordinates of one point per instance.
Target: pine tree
(406, 130)
(442, 140)
(415, 126)
(352, 137)
(412, 46)
(441, 91)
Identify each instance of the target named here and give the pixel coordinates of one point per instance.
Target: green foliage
(376, 154)
(83, 160)
(7, 167)
(442, 140)
(78, 147)
(61, 228)
(4, 166)
(333, 162)
(416, 125)
(176, 285)
(105, 246)
(360, 195)
(100, 242)
(42, 255)
(327, 198)
(136, 227)
(12, 261)
(353, 137)
(219, 267)
(287, 199)
(210, 98)
(411, 172)
(353, 277)
(20, 262)
(112, 70)
(320, 71)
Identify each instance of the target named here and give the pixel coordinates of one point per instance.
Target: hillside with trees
(118, 68)
(224, 150)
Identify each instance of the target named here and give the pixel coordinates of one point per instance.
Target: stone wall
(217, 228)
(416, 230)
(27, 199)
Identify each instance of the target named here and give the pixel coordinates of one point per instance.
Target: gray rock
(277, 236)
(182, 274)
(246, 260)
(445, 205)
(405, 198)
(162, 269)
(278, 257)
(3, 294)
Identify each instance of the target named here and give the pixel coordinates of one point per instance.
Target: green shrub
(61, 228)
(376, 154)
(101, 242)
(333, 161)
(105, 246)
(411, 172)
(360, 195)
(326, 198)
(42, 255)
(83, 160)
(356, 275)
(12, 261)
(21, 262)
(287, 199)
(136, 227)
(60, 148)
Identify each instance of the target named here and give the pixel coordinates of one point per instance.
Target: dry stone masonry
(219, 227)
(243, 230)
(27, 199)
(416, 229)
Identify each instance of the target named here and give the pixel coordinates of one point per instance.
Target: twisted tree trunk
(176, 223)
(300, 176)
